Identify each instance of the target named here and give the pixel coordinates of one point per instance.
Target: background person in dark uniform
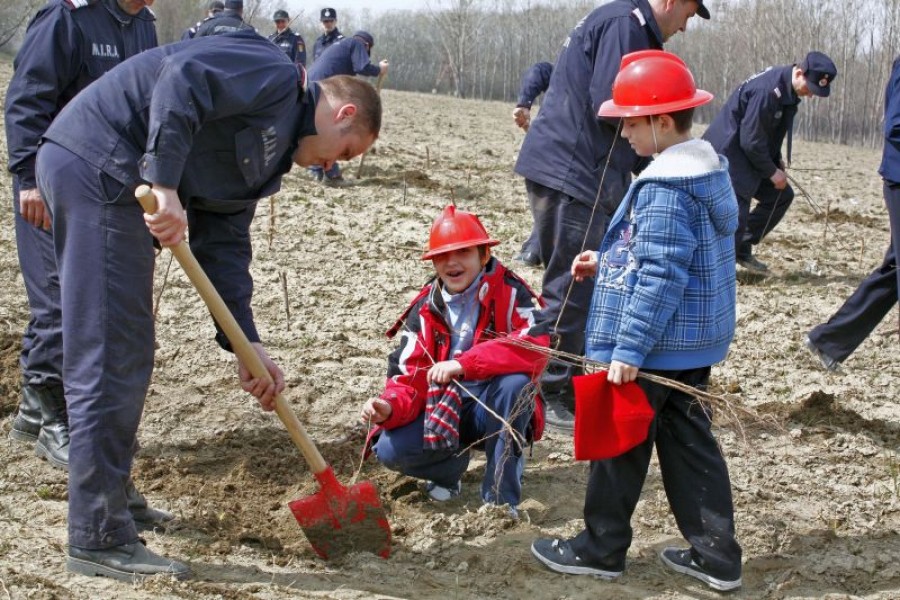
(332, 34)
(212, 124)
(567, 151)
(750, 130)
(290, 42)
(348, 56)
(229, 20)
(877, 295)
(215, 7)
(535, 82)
(67, 46)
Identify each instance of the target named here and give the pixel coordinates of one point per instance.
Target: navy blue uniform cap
(820, 72)
(366, 37)
(234, 4)
(280, 15)
(702, 11)
(328, 14)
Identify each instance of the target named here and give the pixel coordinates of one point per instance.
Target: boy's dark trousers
(873, 299)
(694, 475)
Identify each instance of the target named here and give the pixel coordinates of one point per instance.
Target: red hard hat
(652, 82)
(456, 229)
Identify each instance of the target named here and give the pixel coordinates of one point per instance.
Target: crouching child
(462, 374)
(664, 303)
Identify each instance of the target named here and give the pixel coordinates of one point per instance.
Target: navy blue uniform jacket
(227, 21)
(349, 56)
(65, 49)
(890, 158)
(324, 41)
(567, 146)
(292, 44)
(750, 128)
(535, 82)
(218, 118)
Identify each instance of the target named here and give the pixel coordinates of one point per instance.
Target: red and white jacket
(508, 308)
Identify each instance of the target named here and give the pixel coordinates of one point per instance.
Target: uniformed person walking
(348, 56)
(212, 124)
(332, 34)
(229, 20)
(215, 8)
(568, 151)
(750, 130)
(535, 82)
(290, 42)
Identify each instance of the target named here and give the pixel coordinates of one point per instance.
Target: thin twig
(162, 288)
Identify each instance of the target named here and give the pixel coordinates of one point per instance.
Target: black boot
(53, 441)
(146, 518)
(27, 424)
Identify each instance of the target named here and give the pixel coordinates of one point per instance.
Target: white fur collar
(687, 159)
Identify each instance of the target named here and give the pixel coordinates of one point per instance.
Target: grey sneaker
(559, 556)
(558, 416)
(146, 518)
(829, 363)
(439, 493)
(682, 561)
(753, 264)
(128, 562)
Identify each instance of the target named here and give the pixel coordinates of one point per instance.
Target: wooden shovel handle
(239, 342)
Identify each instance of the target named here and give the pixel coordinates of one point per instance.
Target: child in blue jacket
(663, 302)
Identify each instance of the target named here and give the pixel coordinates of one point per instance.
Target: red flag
(609, 419)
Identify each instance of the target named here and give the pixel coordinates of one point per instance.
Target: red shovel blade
(338, 520)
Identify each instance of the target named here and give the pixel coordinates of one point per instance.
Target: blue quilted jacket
(665, 288)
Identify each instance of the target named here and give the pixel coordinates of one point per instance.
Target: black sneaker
(558, 556)
(682, 561)
(829, 363)
(558, 416)
(752, 264)
(528, 258)
(128, 562)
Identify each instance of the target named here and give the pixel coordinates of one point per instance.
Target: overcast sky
(356, 5)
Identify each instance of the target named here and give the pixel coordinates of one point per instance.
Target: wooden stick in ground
(362, 159)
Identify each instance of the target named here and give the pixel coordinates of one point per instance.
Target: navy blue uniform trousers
(754, 225)
(564, 227)
(41, 356)
(401, 449)
(105, 257)
(694, 476)
(873, 299)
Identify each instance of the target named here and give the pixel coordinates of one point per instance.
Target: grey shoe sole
(573, 570)
(24, 437)
(713, 582)
(41, 451)
(92, 569)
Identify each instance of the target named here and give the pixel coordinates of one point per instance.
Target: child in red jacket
(466, 359)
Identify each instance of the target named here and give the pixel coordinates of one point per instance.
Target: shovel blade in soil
(338, 520)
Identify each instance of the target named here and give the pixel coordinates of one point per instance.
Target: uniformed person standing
(332, 34)
(229, 20)
(215, 8)
(68, 45)
(566, 153)
(750, 130)
(348, 56)
(290, 42)
(213, 124)
(535, 82)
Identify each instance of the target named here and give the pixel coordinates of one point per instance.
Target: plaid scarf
(443, 408)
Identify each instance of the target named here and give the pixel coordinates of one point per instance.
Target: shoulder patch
(76, 4)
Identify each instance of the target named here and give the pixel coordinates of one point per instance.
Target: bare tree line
(480, 48)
